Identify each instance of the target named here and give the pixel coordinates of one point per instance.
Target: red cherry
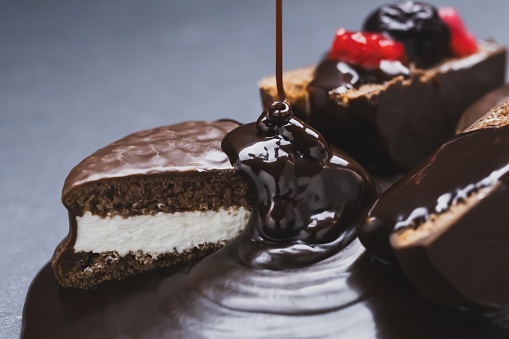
(365, 49)
(462, 43)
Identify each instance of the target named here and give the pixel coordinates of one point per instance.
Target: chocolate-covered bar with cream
(154, 198)
(446, 221)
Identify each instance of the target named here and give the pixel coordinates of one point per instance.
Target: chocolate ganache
(308, 197)
(446, 222)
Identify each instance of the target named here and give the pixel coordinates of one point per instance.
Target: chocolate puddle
(167, 303)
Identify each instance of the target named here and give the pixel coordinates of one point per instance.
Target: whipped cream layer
(159, 233)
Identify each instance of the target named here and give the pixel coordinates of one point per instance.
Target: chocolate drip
(279, 50)
(308, 197)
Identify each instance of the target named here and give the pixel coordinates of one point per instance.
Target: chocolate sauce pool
(365, 299)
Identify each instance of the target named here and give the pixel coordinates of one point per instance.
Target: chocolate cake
(390, 117)
(445, 221)
(152, 199)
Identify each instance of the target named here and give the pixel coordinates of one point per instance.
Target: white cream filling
(159, 233)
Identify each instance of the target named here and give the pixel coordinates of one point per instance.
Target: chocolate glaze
(308, 197)
(482, 106)
(466, 262)
(188, 146)
(395, 125)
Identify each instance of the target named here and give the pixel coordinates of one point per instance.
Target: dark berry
(418, 26)
(366, 50)
(462, 43)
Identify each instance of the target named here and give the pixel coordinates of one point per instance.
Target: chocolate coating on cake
(455, 202)
(482, 106)
(168, 169)
(188, 146)
(308, 197)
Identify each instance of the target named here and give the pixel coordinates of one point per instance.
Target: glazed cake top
(193, 146)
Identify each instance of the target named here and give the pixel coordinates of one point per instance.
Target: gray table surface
(76, 75)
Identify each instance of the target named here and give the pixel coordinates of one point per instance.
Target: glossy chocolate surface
(188, 146)
(467, 261)
(308, 196)
(352, 297)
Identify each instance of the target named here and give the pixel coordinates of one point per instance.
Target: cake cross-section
(152, 199)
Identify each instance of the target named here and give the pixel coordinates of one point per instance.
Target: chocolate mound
(308, 195)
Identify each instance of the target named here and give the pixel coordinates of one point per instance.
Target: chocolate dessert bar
(152, 199)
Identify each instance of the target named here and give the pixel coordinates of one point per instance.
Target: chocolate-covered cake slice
(446, 221)
(154, 198)
(391, 109)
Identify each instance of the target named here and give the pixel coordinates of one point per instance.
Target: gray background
(76, 75)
